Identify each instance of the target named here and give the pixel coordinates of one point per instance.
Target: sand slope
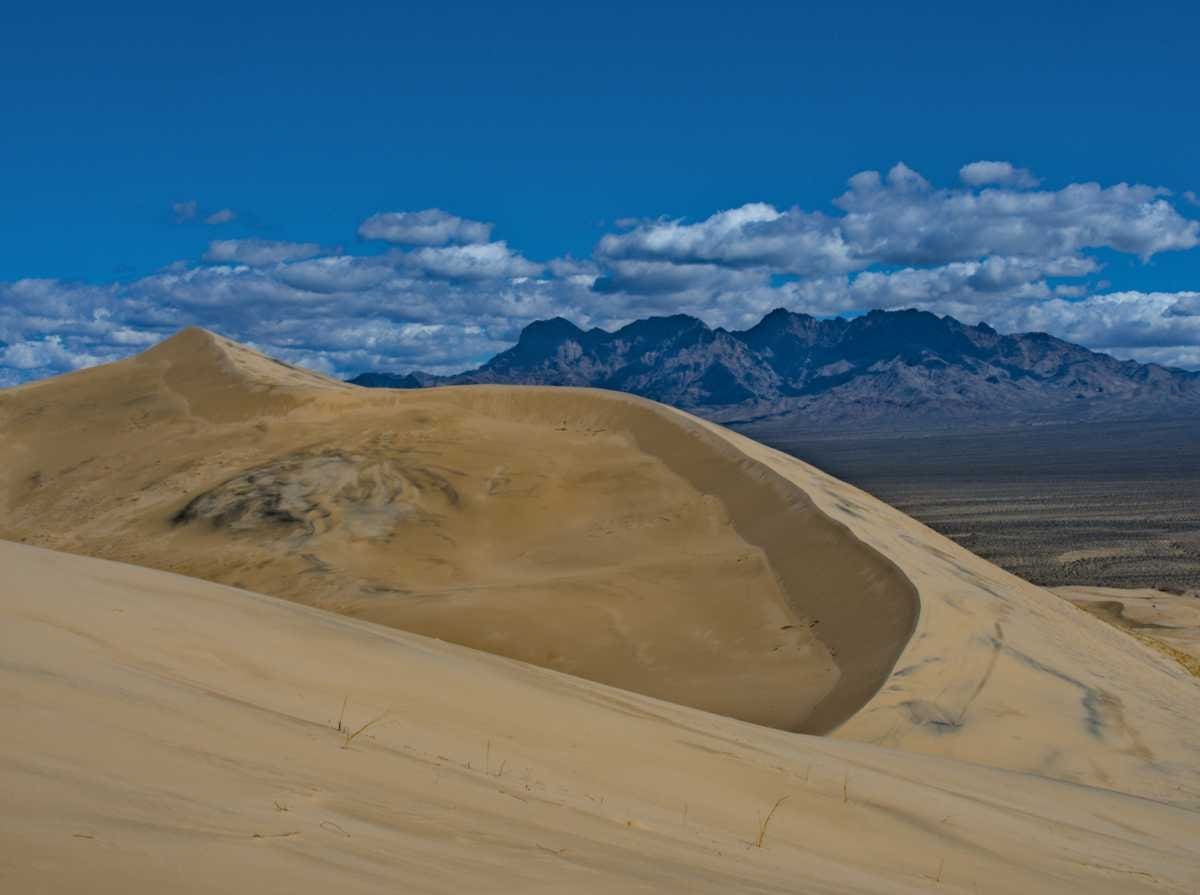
(168, 734)
(596, 534)
(1169, 622)
(1004, 672)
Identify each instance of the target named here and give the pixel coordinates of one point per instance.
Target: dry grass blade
(350, 735)
(762, 829)
(342, 714)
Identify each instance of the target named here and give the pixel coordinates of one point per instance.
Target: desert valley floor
(265, 631)
(1105, 504)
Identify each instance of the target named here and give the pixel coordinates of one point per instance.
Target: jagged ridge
(884, 367)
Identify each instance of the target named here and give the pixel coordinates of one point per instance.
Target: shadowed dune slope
(1003, 672)
(165, 734)
(590, 532)
(595, 534)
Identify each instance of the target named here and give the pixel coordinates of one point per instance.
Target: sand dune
(1169, 622)
(587, 532)
(596, 534)
(167, 734)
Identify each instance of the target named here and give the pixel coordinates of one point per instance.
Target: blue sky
(216, 165)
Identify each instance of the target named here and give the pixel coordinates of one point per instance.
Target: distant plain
(1114, 504)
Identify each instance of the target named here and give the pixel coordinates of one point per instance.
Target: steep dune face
(854, 599)
(592, 533)
(1003, 672)
(596, 534)
(165, 734)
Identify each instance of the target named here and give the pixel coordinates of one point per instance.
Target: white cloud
(897, 223)
(469, 262)
(901, 219)
(431, 227)
(1020, 259)
(1186, 357)
(649, 277)
(259, 252)
(1112, 320)
(1187, 304)
(903, 179)
(721, 237)
(48, 354)
(191, 210)
(185, 211)
(998, 173)
(335, 273)
(753, 235)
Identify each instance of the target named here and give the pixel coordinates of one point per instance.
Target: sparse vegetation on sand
(762, 827)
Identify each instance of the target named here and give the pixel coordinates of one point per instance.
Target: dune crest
(198, 355)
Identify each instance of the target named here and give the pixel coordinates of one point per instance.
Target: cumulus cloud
(1184, 357)
(650, 278)
(901, 221)
(47, 352)
(754, 235)
(994, 249)
(1111, 321)
(431, 227)
(1187, 304)
(998, 173)
(967, 289)
(444, 295)
(469, 262)
(259, 252)
(222, 216)
(336, 273)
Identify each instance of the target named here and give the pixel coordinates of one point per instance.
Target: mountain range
(885, 369)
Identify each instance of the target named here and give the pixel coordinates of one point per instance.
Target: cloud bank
(430, 227)
(431, 290)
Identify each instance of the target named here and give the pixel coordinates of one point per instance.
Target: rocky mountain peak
(884, 368)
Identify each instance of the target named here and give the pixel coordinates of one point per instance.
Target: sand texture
(165, 734)
(1170, 622)
(984, 734)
